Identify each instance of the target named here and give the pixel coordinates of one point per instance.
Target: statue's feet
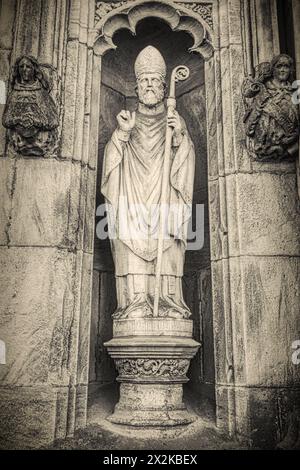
(172, 313)
(142, 307)
(168, 308)
(139, 308)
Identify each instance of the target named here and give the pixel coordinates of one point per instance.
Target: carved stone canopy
(204, 10)
(128, 14)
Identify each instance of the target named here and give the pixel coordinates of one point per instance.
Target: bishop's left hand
(174, 121)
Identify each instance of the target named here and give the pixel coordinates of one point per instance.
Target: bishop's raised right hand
(126, 120)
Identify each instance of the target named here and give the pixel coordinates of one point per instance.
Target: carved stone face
(150, 89)
(282, 69)
(26, 70)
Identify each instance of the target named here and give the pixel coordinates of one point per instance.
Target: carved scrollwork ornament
(175, 368)
(272, 115)
(204, 10)
(31, 113)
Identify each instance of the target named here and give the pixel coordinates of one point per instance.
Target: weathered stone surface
(68, 130)
(48, 31)
(77, 204)
(40, 212)
(27, 416)
(192, 297)
(237, 162)
(94, 325)
(263, 215)
(191, 106)
(148, 405)
(61, 417)
(225, 409)
(81, 406)
(28, 32)
(218, 219)
(265, 26)
(264, 417)
(94, 111)
(37, 298)
(84, 321)
(53, 210)
(263, 322)
(222, 322)
(111, 103)
(4, 78)
(207, 333)
(89, 214)
(7, 17)
(7, 183)
(296, 18)
(232, 74)
(234, 22)
(103, 305)
(272, 323)
(148, 327)
(80, 102)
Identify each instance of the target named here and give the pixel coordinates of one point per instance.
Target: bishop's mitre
(150, 60)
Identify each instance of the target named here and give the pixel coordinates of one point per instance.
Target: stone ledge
(153, 327)
(152, 346)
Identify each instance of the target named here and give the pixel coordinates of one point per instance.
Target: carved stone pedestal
(152, 357)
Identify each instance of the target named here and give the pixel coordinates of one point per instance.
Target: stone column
(296, 20)
(264, 26)
(255, 253)
(46, 245)
(7, 17)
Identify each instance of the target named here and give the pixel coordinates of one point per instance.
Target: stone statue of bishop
(131, 185)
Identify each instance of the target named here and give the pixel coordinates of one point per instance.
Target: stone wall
(46, 247)
(256, 256)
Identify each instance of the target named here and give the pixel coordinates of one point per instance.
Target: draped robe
(131, 185)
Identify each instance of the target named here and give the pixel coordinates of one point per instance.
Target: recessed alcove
(118, 92)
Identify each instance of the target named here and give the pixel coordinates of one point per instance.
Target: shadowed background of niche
(118, 92)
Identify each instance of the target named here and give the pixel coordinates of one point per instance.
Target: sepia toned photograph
(149, 228)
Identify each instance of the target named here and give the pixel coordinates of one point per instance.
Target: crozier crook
(179, 73)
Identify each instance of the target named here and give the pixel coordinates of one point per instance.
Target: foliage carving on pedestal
(152, 367)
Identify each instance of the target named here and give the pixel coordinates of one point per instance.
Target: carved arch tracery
(129, 14)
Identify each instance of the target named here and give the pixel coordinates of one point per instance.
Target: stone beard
(131, 185)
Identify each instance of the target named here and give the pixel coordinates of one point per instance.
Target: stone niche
(118, 92)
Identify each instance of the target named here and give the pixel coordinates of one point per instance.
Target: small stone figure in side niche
(30, 114)
(271, 119)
